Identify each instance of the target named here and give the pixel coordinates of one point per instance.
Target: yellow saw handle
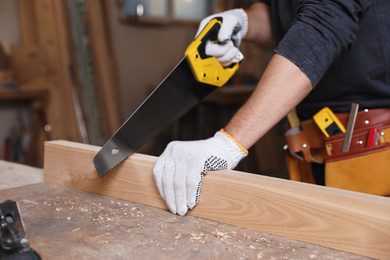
(206, 68)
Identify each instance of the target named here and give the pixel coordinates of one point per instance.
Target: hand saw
(196, 76)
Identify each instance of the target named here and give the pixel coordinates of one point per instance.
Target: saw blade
(176, 95)
(196, 76)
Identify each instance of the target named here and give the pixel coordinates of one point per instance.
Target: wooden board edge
(344, 220)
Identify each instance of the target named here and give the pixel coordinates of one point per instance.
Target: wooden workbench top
(64, 223)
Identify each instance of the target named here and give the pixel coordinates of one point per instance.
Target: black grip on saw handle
(211, 34)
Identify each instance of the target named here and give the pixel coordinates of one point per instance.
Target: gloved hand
(233, 29)
(179, 171)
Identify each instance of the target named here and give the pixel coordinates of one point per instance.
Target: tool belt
(363, 169)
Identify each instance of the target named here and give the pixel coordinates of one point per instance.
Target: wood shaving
(246, 236)
(127, 230)
(198, 236)
(262, 239)
(163, 225)
(221, 235)
(29, 202)
(74, 230)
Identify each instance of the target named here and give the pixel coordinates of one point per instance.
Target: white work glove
(233, 29)
(179, 171)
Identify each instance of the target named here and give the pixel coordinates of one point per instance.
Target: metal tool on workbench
(195, 77)
(13, 239)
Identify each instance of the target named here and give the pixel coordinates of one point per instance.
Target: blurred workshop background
(77, 69)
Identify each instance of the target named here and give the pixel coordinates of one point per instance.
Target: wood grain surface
(344, 220)
(65, 223)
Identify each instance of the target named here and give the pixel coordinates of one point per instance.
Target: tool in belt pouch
(306, 142)
(364, 169)
(361, 168)
(304, 145)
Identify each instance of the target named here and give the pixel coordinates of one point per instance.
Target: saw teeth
(114, 167)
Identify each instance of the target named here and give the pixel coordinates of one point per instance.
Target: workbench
(66, 223)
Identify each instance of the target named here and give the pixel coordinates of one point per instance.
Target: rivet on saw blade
(115, 151)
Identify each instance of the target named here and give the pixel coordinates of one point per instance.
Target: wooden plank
(22, 93)
(105, 66)
(16, 175)
(344, 220)
(29, 64)
(27, 21)
(44, 23)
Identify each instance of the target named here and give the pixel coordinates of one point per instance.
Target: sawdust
(194, 235)
(98, 227)
(97, 212)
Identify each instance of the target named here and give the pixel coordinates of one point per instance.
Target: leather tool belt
(362, 168)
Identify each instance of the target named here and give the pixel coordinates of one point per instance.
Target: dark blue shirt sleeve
(321, 31)
(268, 2)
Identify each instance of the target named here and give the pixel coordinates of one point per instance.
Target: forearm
(260, 25)
(282, 86)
